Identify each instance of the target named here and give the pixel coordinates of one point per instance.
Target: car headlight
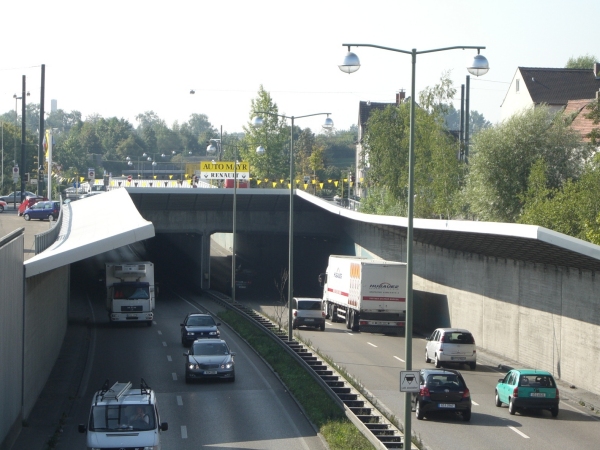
(190, 333)
(228, 365)
(193, 366)
(212, 333)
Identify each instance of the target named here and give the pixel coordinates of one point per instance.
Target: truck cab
(122, 416)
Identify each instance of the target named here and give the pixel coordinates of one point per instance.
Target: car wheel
(554, 411)
(473, 365)
(437, 362)
(1, 208)
(355, 320)
(187, 380)
(50, 217)
(149, 323)
(349, 315)
(498, 402)
(466, 415)
(511, 407)
(418, 411)
(427, 359)
(232, 379)
(26, 217)
(334, 314)
(322, 327)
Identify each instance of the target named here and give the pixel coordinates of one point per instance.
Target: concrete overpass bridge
(527, 293)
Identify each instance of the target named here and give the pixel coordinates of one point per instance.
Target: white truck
(130, 292)
(367, 294)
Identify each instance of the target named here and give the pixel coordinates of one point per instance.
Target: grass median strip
(321, 410)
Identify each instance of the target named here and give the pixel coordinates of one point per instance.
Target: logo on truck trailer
(384, 285)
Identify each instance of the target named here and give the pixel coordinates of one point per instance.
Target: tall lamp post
(478, 67)
(257, 122)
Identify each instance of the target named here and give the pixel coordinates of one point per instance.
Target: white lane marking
(159, 332)
(164, 344)
(154, 322)
(519, 432)
(401, 360)
(174, 376)
(372, 345)
(475, 403)
(179, 400)
(183, 432)
(169, 358)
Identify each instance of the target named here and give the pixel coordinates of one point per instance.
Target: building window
(517, 85)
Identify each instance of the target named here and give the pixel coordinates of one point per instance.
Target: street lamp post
(351, 64)
(23, 135)
(258, 121)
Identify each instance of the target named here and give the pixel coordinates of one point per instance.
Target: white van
(124, 417)
(308, 312)
(451, 345)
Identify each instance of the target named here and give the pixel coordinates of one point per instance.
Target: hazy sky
(122, 58)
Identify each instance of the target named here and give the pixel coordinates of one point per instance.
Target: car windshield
(210, 348)
(122, 417)
(136, 291)
(536, 381)
(309, 305)
(446, 380)
(458, 337)
(200, 321)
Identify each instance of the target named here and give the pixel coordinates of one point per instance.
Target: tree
(581, 62)
(273, 136)
(502, 158)
(438, 173)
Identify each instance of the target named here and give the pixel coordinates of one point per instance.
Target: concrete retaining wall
(544, 317)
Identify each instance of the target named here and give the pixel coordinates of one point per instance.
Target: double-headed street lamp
(328, 124)
(478, 67)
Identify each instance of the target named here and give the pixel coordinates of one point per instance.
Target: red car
(29, 202)
(2, 206)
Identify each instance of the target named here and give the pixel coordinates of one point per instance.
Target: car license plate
(131, 316)
(446, 405)
(309, 320)
(210, 372)
(538, 394)
(458, 358)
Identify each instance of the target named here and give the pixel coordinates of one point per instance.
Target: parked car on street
(3, 206)
(15, 197)
(209, 358)
(199, 326)
(528, 389)
(308, 312)
(29, 202)
(441, 390)
(451, 345)
(43, 211)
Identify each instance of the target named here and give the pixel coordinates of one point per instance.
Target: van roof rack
(114, 392)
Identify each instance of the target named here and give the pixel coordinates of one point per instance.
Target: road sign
(91, 174)
(129, 178)
(224, 170)
(409, 381)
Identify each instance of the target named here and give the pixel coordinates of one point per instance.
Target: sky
(123, 58)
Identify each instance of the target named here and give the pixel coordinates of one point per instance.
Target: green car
(528, 389)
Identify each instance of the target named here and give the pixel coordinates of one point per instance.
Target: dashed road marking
(164, 344)
(179, 400)
(519, 432)
(183, 432)
(372, 345)
(399, 359)
(169, 358)
(475, 403)
(159, 332)
(174, 376)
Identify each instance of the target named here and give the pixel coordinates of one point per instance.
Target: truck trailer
(367, 294)
(130, 292)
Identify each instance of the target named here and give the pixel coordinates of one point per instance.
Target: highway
(376, 361)
(253, 412)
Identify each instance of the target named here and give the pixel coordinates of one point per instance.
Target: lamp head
(211, 149)
(479, 66)
(260, 150)
(351, 63)
(328, 123)
(257, 121)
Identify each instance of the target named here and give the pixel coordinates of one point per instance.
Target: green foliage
(581, 62)
(502, 158)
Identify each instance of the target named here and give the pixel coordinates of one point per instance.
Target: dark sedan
(209, 358)
(442, 390)
(199, 326)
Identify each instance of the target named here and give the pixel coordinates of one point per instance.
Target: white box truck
(367, 294)
(130, 292)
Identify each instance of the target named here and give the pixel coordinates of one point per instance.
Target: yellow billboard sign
(223, 170)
